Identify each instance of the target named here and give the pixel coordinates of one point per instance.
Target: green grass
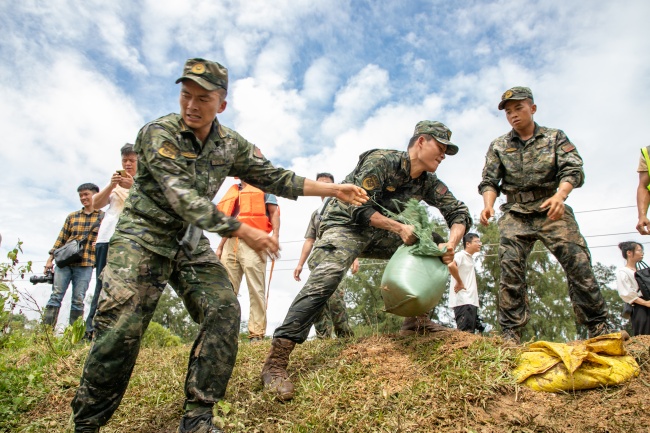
(454, 382)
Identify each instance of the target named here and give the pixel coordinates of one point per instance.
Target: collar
(514, 135)
(216, 126)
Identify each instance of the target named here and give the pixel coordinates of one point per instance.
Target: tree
(9, 295)
(171, 314)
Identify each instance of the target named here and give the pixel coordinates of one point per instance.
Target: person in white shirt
(113, 195)
(463, 296)
(628, 288)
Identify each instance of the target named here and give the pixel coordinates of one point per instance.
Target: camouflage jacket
(544, 161)
(178, 176)
(385, 175)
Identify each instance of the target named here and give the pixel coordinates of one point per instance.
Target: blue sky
(314, 84)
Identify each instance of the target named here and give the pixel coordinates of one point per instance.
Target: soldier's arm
(569, 162)
(405, 232)
(642, 202)
(454, 211)
(570, 175)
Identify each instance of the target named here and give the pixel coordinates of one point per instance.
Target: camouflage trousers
(133, 281)
(333, 317)
(518, 233)
(330, 259)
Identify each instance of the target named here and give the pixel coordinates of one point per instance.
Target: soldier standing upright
(182, 161)
(391, 178)
(537, 168)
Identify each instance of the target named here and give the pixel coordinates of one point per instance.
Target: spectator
(112, 195)
(334, 316)
(628, 288)
(463, 297)
(257, 209)
(79, 225)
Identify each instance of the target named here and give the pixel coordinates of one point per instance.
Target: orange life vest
(252, 208)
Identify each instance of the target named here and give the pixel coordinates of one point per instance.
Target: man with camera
(81, 226)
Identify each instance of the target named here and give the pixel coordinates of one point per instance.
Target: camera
(48, 278)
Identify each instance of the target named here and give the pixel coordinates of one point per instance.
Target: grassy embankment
(451, 382)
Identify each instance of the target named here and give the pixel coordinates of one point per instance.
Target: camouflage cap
(207, 74)
(438, 131)
(517, 93)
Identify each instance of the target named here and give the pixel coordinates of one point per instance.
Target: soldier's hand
(297, 272)
(447, 257)
(407, 233)
(258, 240)
(219, 252)
(352, 194)
(355, 266)
(555, 206)
(486, 214)
(643, 226)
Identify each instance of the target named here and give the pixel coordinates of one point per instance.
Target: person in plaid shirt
(76, 226)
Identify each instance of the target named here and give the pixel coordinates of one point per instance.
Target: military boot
(74, 315)
(50, 316)
(198, 424)
(274, 372)
(511, 336)
(604, 328)
(420, 325)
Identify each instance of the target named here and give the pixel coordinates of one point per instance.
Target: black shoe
(198, 424)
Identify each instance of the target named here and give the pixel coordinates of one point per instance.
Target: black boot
(74, 315)
(50, 316)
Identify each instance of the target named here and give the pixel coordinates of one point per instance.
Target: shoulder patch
(442, 189)
(511, 149)
(257, 152)
(568, 147)
(190, 155)
(168, 150)
(370, 183)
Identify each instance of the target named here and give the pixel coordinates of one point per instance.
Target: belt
(532, 195)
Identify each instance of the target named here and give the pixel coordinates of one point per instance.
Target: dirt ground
(624, 409)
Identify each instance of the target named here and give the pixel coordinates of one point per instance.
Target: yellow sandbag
(553, 367)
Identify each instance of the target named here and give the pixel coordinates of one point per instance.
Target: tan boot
(274, 372)
(420, 325)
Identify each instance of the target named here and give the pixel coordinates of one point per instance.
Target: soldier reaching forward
(391, 177)
(182, 161)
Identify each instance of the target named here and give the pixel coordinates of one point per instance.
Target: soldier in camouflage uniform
(537, 168)
(183, 159)
(391, 178)
(334, 316)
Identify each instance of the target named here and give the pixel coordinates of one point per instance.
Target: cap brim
(502, 104)
(452, 149)
(200, 81)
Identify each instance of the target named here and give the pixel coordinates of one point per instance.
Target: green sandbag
(413, 284)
